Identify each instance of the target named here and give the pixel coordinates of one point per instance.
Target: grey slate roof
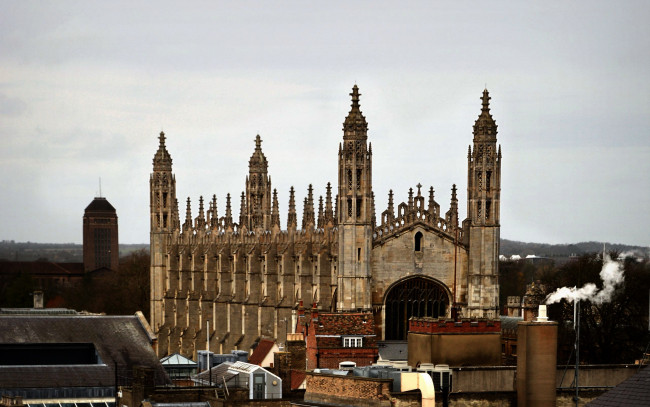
(634, 391)
(393, 350)
(509, 322)
(120, 340)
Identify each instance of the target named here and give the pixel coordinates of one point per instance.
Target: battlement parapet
(443, 325)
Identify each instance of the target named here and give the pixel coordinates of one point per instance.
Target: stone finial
(321, 212)
(275, 210)
(432, 201)
(292, 221)
(214, 217)
(228, 218)
(355, 125)
(485, 126)
(200, 219)
(188, 216)
(391, 207)
(329, 210)
(242, 210)
(162, 161)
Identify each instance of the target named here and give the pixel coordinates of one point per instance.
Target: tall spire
(200, 219)
(242, 210)
(329, 211)
(275, 210)
(227, 221)
(452, 214)
(292, 222)
(321, 213)
(485, 126)
(188, 217)
(308, 210)
(258, 190)
(434, 208)
(214, 217)
(162, 161)
(355, 125)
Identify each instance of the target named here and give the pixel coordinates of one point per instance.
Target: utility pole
(576, 327)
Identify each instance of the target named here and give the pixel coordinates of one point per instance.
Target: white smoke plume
(612, 276)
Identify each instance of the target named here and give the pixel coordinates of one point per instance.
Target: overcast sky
(85, 88)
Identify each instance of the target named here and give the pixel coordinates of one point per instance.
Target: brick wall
(358, 391)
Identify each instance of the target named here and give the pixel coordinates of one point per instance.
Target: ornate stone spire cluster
(355, 124)
(162, 161)
(414, 212)
(485, 126)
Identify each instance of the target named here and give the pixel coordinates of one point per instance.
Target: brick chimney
(314, 312)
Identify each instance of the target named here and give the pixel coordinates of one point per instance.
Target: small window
(358, 255)
(352, 342)
(418, 242)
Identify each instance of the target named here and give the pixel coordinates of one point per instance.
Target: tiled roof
(634, 391)
(120, 340)
(330, 328)
(263, 348)
(297, 378)
(344, 324)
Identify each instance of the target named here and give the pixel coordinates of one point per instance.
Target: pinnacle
(355, 122)
(485, 126)
(486, 100)
(355, 96)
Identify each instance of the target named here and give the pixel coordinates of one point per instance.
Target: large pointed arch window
(414, 297)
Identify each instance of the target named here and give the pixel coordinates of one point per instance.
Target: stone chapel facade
(228, 282)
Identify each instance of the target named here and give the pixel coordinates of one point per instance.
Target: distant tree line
(121, 292)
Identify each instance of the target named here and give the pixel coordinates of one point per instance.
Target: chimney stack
(38, 299)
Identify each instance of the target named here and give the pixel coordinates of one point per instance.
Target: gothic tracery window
(414, 297)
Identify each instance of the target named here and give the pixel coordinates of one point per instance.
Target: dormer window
(352, 341)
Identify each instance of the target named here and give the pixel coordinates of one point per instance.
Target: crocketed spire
(355, 125)
(275, 210)
(162, 161)
(292, 221)
(258, 162)
(485, 126)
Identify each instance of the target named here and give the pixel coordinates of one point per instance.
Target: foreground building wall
(228, 282)
(465, 343)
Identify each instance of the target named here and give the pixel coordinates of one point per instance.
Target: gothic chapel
(229, 282)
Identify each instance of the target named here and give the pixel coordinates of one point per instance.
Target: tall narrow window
(358, 208)
(488, 204)
(349, 208)
(358, 255)
(358, 179)
(418, 242)
(488, 175)
(349, 179)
